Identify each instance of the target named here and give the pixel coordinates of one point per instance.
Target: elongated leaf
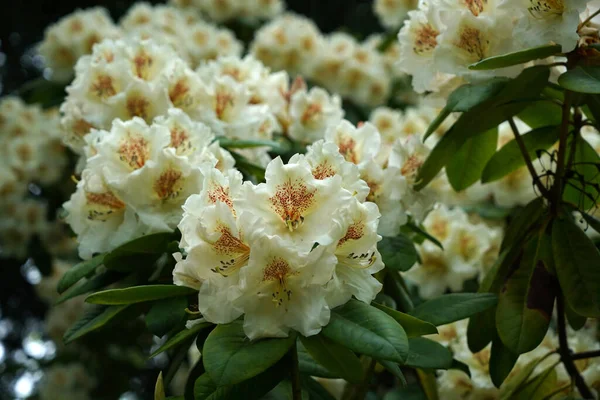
(460, 366)
(309, 366)
(576, 321)
(398, 252)
(428, 383)
(92, 320)
(538, 388)
(593, 103)
(181, 337)
(509, 157)
(466, 166)
(123, 257)
(466, 97)
(251, 389)
(592, 221)
(336, 358)
(513, 98)
(314, 389)
(526, 302)
(159, 388)
(502, 361)
(582, 188)
(426, 353)
(230, 357)
(421, 233)
(99, 281)
(454, 307)
(582, 79)
(78, 271)
(167, 314)
(138, 294)
(394, 369)
(516, 381)
(412, 326)
(518, 57)
(522, 223)
(367, 330)
(488, 211)
(577, 267)
(541, 113)
(247, 144)
(410, 392)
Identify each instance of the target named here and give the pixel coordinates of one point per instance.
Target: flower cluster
(137, 177)
(355, 70)
(225, 10)
(455, 384)
(469, 249)
(72, 37)
(284, 252)
(441, 38)
(190, 37)
(391, 13)
(32, 154)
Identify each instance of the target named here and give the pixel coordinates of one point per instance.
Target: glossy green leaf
(79, 271)
(398, 252)
(336, 358)
(93, 319)
(367, 330)
(523, 222)
(309, 366)
(422, 234)
(517, 381)
(228, 143)
(314, 389)
(138, 294)
(428, 383)
(576, 321)
(516, 58)
(582, 79)
(230, 357)
(181, 337)
(577, 267)
(167, 314)
(125, 257)
(513, 98)
(526, 301)
(453, 307)
(582, 185)
(412, 326)
(509, 157)
(593, 103)
(460, 366)
(592, 221)
(394, 369)
(466, 97)
(159, 388)
(541, 113)
(488, 210)
(466, 166)
(502, 361)
(428, 354)
(539, 387)
(251, 389)
(98, 281)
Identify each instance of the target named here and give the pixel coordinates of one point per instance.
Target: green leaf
(593, 103)
(123, 257)
(582, 79)
(336, 358)
(99, 281)
(309, 366)
(228, 143)
(586, 164)
(539, 387)
(423, 234)
(522, 223)
(454, 307)
(95, 318)
(502, 361)
(428, 383)
(541, 113)
(181, 337)
(367, 330)
(513, 98)
(466, 166)
(410, 392)
(78, 271)
(526, 301)
(159, 388)
(426, 353)
(398, 252)
(138, 294)
(412, 326)
(230, 357)
(488, 210)
(460, 366)
(576, 321)
(166, 315)
(577, 267)
(592, 221)
(516, 381)
(249, 169)
(394, 369)
(251, 389)
(466, 97)
(509, 157)
(517, 57)
(315, 390)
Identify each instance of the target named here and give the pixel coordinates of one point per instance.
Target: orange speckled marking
(347, 147)
(164, 186)
(179, 93)
(354, 232)
(223, 101)
(425, 39)
(219, 193)
(142, 64)
(473, 42)
(180, 140)
(312, 111)
(291, 200)
(137, 106)
(134, 151)
(323, 170)
(103, 87)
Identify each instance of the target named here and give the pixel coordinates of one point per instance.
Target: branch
(296, 387)
(530, 167)
(562, 148)
(585, 354)
(565, 353)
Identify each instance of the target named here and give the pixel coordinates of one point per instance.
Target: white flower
(311, 113)
(358, 145)
(539, 23)
(225, 10)
(283, 289)
(72, 37)
(391, 13)
(296, 206)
